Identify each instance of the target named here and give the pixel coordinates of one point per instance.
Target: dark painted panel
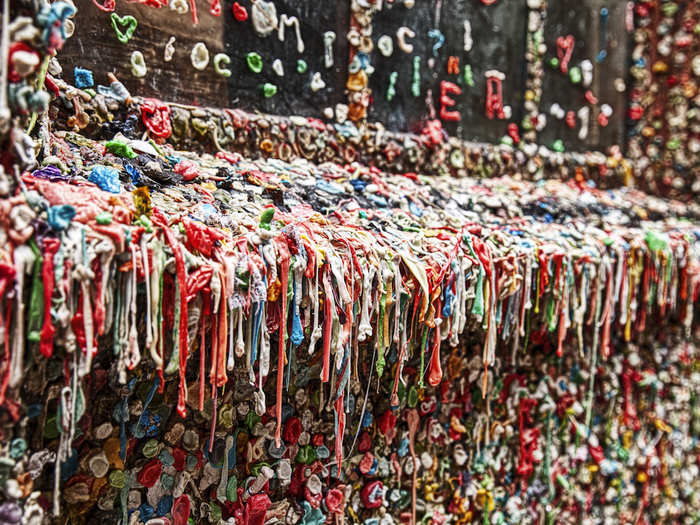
(498, 35)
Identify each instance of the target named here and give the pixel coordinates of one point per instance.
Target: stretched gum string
(327, 324)
(435, 368)
(193, 8)
(284, 278)
(47, 331)
(395, 389)
(206, 312)
(646, 277)
(214, 349)
(99, 312)
(223, 334)
(6, 358)
(607, 315)
(561, 335)
(215, 397)
(340, 429)
(413, 421)
(160, 220)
